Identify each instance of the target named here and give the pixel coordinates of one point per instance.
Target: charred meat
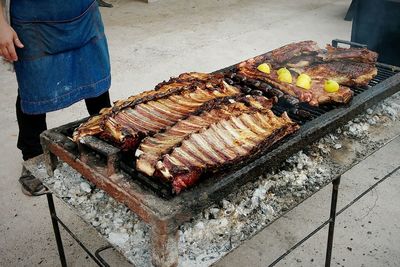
(347, 73)
(292, 52)
(315, 96)
(351, 54)
(224, 143)
(128, 121)
(346, 66)
(154, 147)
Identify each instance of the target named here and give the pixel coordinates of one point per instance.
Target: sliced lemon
(331, 86)
(304, 81)
(285, 77)
(283, 70)
(264, 67)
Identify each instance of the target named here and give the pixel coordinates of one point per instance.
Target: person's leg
(30, 127)
(95, 104)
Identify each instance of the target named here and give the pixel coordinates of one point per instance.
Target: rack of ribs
(130, 120)
(212, 141)
(154, 147)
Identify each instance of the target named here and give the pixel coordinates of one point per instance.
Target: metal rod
(332, 218)
(316, 230)
(328, 221)
(367, 191)
(54, 221)
(99, 257)
(99, 263)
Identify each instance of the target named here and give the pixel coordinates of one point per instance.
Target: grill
(113, 170)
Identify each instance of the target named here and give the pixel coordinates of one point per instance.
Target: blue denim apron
(65, 58)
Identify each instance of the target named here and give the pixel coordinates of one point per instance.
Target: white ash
(225, 225)
(388, 108)
(85, 187)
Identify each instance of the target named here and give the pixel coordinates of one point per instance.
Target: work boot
(103, 4)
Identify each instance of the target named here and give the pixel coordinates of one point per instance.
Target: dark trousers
(31, 126)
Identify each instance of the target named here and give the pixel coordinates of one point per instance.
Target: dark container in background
(376, 23)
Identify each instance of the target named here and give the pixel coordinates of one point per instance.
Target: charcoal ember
(265, 91)
(276, 92)
(254, 83)
(257, 92)
(229, 81)
(265, 86)
(304, 114)
(231, 75)
(300, 113)
(241, 78)
(290, 100)
(245, 89)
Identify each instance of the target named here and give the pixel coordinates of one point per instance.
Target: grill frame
(166, 215)
(216, 187)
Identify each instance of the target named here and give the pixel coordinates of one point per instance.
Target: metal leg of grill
(164, 247)
(99, 257)
(332, 219)
(56, 229)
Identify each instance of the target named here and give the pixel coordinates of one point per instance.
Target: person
(60, 55)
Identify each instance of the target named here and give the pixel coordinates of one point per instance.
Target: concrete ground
(151, 42)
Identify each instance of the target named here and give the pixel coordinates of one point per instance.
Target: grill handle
(335, 43)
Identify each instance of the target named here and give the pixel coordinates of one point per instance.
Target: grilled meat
(128, 121)
(347, 66)
(222, 144)
(289, 52)
(197, 123)
(153, 148)
(185, 81)
(302, 61)
(352, 54)
(315, 96)
(344, 72)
